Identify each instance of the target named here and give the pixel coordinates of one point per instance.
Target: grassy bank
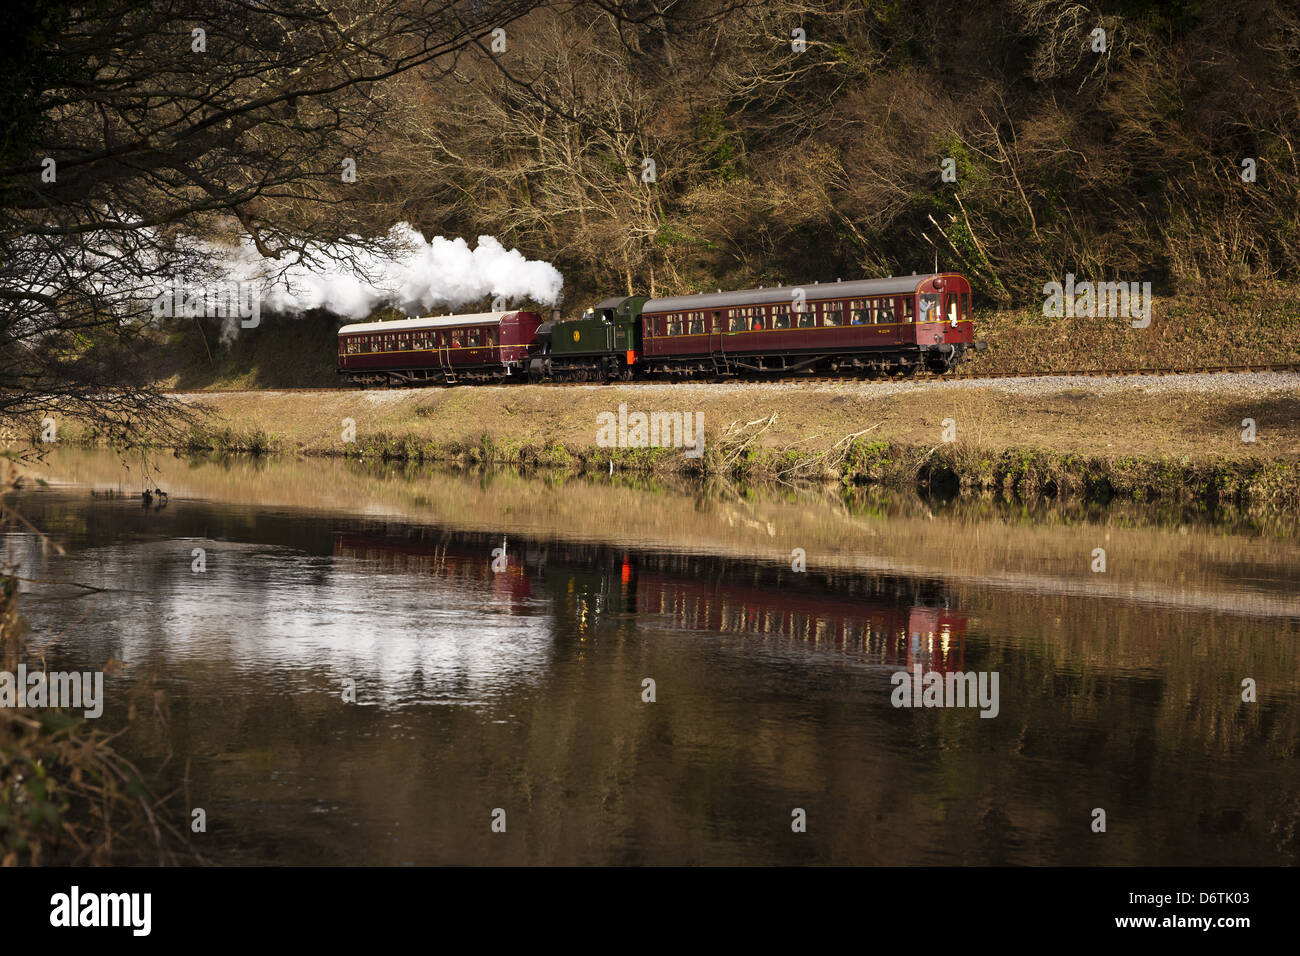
(1128, 438)
(1023, 473)
(1245, 328)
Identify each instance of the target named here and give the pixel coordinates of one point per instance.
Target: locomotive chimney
(555, 310)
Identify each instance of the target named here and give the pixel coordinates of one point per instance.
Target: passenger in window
(929, 308)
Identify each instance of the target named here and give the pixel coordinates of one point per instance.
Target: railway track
(919, 376)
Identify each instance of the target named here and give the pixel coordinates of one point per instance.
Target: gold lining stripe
(811, 328)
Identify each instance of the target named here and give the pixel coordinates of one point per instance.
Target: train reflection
(593, 590)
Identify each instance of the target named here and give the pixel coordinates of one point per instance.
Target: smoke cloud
(442, 274)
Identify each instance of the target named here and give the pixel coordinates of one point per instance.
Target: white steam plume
(422, 277)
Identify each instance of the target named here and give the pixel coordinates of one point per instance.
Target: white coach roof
(430, 322)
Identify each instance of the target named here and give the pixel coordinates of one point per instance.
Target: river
(343, 663)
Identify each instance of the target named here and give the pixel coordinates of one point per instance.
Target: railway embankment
(1259, 325)
(1206, 437)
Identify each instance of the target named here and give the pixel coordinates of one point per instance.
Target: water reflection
(872, 621)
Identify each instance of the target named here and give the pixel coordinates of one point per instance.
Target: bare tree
(135, 132)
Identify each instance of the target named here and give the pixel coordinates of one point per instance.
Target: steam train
(868, 327)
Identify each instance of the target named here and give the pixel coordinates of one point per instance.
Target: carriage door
(929, 318)
(716, 318)
(954, 313)
(443, 342)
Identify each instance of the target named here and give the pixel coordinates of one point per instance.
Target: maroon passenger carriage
(484, 347)
(871, 326)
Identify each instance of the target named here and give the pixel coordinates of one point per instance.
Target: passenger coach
(485, 347)
(893, 326)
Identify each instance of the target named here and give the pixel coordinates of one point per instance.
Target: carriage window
(675, 324)
(736, 321)
(952, 308)
(455, 338)
(755, 318)
(859, 312)
(884, 311)
(908, 310)
(929, 308)
(808, 317)
(471, 338)
(697, 323)
(780, 316)
(832, 314)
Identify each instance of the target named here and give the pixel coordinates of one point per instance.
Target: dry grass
(812, 418)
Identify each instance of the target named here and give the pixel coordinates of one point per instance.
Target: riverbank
(1142, 438)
